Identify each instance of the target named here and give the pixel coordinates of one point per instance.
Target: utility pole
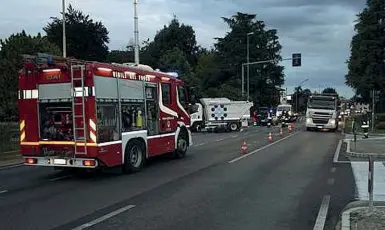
(248, 66)
(373, 105)
(64, 28)
(136, 33)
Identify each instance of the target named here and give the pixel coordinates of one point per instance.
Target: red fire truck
(84, 114)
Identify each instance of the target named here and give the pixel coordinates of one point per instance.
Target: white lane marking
(337, 152)
(332, 170)
(3, 191)
(11, 166)
(198, 145)
(59, 178)
(103, 218)
(262, 148)
(330, 181)
(234, 136)
(322, 214)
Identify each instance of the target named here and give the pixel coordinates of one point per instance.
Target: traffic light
(296, 58)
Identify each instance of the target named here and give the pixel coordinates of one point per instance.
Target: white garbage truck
(214, 114)
(322, 112)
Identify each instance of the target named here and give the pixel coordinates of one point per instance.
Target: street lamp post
(136, 33)
(296, 94)
(64, 29)
(248, 66)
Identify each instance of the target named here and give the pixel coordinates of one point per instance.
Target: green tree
(175, 60)
(366, 62)
(173, 35)
(264, 45)
(10, 61)
(301, 97)
(329, 90)
(86, 39)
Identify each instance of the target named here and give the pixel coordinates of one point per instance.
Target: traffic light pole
(256, 63)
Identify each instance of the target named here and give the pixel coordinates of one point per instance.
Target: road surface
(275, 186)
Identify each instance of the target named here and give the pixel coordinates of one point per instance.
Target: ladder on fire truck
(77, 76)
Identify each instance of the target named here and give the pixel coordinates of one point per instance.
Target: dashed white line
(322, 214)
(262, 148)
(3, 191)
(330, 181)
(333, 170)
(59, 178)
(103, 218)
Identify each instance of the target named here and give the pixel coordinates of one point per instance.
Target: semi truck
(220, 113)
(322, 112)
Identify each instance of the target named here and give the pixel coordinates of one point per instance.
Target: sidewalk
(357, 217)
(373, 146)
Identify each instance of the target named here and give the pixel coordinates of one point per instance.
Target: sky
(320, 30)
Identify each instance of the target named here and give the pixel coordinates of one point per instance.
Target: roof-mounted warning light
(174, 74)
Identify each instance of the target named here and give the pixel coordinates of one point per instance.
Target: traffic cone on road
(280, 132)
(289, 127)
(270, 137)
(244, 148)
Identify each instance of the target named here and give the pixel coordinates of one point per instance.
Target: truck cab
(321, 112)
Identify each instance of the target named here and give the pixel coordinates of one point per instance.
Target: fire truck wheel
(134, 156)
(182, 143)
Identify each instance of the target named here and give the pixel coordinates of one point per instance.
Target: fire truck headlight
(308, 120)
(332, 121)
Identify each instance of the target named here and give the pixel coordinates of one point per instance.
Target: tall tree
(263, 45)
(329, 90)
(86, 39)
(10, 61)
(173, 35)
(175, 60)
(366, 62)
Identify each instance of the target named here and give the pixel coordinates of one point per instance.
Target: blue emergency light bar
(174, 74)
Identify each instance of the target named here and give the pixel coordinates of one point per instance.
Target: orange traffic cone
(270, 137)
(244, 148)
(280, 132)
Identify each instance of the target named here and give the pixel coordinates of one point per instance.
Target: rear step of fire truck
(78, 107)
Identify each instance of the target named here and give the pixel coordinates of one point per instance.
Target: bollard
(370, 184)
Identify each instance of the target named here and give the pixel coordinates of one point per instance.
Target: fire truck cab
(84, 114)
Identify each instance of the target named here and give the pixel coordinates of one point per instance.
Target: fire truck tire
(182, 143)
(134, 157)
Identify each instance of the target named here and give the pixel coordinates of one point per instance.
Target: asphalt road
(280, 186)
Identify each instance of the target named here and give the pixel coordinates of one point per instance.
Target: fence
(9, 138)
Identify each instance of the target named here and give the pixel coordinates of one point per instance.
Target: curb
(356, 154)
(353, 206)
(370, 134)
